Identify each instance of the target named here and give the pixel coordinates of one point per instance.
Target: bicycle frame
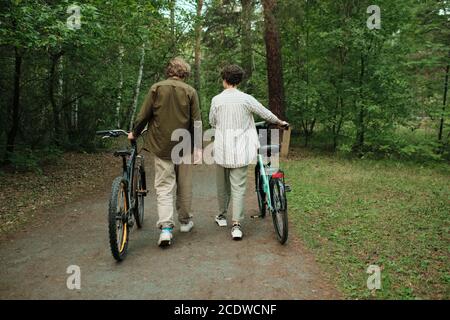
(265, 179)
(263, 172)
(128, 167)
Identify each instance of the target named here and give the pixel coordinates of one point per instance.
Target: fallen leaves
(23, 195)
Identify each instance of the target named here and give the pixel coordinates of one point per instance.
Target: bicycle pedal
(287, 188)
(256, 217)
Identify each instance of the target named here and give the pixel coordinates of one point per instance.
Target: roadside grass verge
(26, 195)
(354, 213)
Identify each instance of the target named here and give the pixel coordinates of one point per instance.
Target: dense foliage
(348, 88)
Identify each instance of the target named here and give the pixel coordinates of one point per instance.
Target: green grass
(356, 213)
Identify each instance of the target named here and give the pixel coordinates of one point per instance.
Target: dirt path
(205, 264)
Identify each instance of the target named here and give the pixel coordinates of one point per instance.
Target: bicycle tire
(279, 213)
(118, 230)
(260, 193)
(139, 210)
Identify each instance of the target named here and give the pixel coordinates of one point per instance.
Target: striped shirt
(236, 140)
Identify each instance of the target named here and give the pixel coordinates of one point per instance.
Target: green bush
(26, 159)
(400, 142)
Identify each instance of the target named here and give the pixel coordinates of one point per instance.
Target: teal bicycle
(271, 187)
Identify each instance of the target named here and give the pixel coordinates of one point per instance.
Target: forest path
(205, 264)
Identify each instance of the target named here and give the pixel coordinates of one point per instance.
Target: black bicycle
(271, 187)
(126, 203)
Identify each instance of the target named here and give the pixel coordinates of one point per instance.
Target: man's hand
(131, 136)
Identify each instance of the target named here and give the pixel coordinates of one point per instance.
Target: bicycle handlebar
(112, 133)
(116, 133)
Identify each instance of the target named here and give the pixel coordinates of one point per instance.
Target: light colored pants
(167, 177)
(231, 184)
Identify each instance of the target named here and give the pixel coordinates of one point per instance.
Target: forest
(364, 85)
(346, 86)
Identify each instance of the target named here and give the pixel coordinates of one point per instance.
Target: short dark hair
(233, 74)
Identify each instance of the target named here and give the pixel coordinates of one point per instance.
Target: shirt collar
(230, 90)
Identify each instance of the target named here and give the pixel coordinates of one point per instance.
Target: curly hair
(233, 74)
(178, 67)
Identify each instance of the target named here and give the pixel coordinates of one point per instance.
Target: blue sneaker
(165, 238)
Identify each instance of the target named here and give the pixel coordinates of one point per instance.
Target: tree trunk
(360, 130)
(274, 61)
(173, 30)
(308, 130)
(248, 7)
(138, 87)
(305, 132)
(15, 107)
(51, 93)
(64, 113)
(120, 88)
(61, 81)
(75, 115)
(337, 125)
(441, 127)
(334, 127)
(198, 38)
(339, 114)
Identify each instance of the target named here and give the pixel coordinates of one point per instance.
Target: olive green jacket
(169, 105)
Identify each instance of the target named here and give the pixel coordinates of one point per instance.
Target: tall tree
(274, 60)
(120, 87)
(173, 29)
(444, 104)
(55, 59)
(198, 42)
(15, 106)
(248, 8)
(137, 89)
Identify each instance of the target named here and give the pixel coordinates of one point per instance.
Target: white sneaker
(221, 221)
(236, 232)
(165, 238)
(185, 228)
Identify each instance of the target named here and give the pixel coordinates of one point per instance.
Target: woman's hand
(131, 136)
(283, 124)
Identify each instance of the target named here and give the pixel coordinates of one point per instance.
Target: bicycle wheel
(260, 192)
(279, 214)
(117, 216)
(140, 186)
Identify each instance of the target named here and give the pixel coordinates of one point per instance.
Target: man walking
(170, 105)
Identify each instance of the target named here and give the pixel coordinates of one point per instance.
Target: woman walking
(236, 144)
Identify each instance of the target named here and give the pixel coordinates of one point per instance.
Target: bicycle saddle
(269, 149)
(122, 153)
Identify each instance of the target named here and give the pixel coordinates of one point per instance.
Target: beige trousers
(231, 184)
(169, 176)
